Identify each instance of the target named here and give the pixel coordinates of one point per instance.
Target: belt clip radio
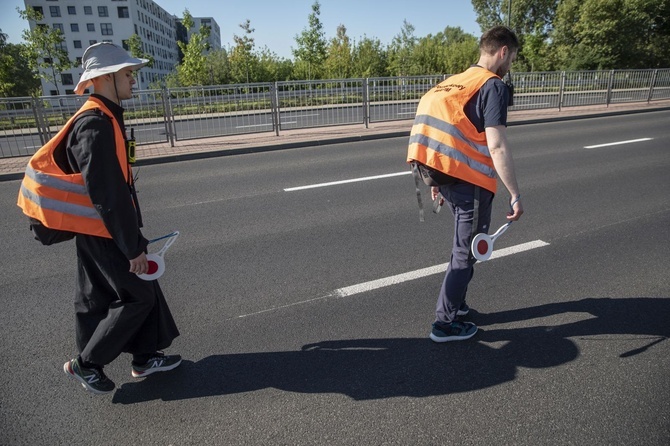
(130, 147)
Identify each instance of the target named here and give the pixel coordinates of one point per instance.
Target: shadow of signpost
(367, 369)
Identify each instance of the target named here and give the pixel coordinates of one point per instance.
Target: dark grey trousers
(460, 196)
(115, 310)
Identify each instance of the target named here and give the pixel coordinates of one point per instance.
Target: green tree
(193, 69)
(218, 67)
(611, 34)
(272, 68)
(135, 48)
(242, 58)
(448, 52)
(312, 44)
(532, 20)
(16, 77)
(401, 51)
(369, 58)
(45, 49)
(338, 61)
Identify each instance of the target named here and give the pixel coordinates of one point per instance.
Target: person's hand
(517, 210)
(139, 265)
(434, 192)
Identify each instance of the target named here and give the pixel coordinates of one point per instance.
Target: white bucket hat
(105, 58)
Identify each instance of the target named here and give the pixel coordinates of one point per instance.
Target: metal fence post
(274, 106)
(561, 89)
(609, 89)
(38, 112)
(169, 115)
(166, 115)
(651, 85)
(366, 101)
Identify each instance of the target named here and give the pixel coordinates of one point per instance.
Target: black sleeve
(92, 152)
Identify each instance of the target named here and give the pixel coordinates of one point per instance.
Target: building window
(90, 27)
(106, 29)
(123, 12)
(88, 10)
(66, 79)
(39, 10)
(59, 27)
(92, 42)
(54, 11)
(77, 43)
(74, 27)
(102, 11)
(47, 60)
(72, 10)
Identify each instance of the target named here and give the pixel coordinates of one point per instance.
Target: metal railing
(170, 115)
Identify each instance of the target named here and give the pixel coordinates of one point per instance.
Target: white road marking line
(353, 180)
(400, 278)
(617, 143)
(405, 277)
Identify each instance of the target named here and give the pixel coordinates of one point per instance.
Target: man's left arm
(496, 137)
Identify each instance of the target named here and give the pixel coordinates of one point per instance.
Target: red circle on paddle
(153, 267)
(482, 247)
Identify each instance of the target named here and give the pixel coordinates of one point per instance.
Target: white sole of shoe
(154, 370)
(439, 339)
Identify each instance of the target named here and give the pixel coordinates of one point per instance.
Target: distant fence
(169, 115)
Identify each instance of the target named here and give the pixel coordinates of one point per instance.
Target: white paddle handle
(168, 243)
(500, 231)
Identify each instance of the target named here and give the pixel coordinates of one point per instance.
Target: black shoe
(157, 363)
(93, 379)
(456, 331)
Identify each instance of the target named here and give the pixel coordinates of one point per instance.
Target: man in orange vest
(459, 139)
(80, 184)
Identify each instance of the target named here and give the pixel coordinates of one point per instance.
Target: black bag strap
(475, 221)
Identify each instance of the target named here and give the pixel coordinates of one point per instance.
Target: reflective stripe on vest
(445, 149)
(60, 206)
(444, 139)
(60, 200)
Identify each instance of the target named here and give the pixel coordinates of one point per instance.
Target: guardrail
(169, 115)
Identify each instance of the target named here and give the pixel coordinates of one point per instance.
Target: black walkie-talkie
(130, 146)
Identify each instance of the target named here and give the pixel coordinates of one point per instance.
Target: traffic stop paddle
(156, 261)
(482, 244)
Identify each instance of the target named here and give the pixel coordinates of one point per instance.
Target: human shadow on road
(367, 369)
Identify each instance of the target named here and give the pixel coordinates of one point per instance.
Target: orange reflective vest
(443, 137)
(59, 200)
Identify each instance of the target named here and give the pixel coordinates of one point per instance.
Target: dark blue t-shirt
(488, 107)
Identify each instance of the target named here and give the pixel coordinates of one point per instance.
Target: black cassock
(116, 311)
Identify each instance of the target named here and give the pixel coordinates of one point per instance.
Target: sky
(276, 23)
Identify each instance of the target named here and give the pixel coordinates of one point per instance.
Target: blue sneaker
(456, 331)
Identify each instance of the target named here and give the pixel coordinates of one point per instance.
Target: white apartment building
(214, 31)
(85, 22)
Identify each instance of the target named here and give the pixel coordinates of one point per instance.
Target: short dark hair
(498, 37)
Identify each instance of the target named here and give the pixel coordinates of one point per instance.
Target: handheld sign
(156, 261)
(482, 244)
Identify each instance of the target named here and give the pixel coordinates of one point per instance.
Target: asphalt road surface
(305, 299)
